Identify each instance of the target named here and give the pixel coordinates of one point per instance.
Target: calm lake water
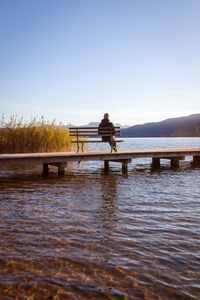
(88, 235)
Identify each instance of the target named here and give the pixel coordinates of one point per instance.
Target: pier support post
(61, 168)
(106, 166)
(174, 163)
(124, 166)
(196, 161)
(124, 163)
(45, 169)
(155, 163)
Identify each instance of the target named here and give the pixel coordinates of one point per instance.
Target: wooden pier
(60, 159)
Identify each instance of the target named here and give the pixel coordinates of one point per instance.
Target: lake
(90, 235)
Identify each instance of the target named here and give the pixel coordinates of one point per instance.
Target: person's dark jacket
(106, 127)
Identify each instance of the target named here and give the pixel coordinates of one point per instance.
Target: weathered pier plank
(60, 159)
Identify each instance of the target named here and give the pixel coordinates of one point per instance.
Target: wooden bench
(84, 135)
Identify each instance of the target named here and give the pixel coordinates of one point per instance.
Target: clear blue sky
(73, 60)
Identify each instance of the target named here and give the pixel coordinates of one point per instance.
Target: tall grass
(20, 136)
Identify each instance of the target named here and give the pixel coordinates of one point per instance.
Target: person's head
(106, 116)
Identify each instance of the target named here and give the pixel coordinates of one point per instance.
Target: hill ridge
(171, 127)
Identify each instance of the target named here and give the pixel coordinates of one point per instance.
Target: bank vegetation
(37, 135)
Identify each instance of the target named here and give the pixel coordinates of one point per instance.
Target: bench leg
(77, 147)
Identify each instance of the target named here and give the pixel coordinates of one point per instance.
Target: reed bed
(38, 135)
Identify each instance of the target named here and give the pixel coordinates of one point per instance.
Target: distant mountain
(175, 127)
(92, 124)
(122, 126)
(96, 124)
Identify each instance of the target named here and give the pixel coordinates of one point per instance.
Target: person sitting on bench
(110, 134)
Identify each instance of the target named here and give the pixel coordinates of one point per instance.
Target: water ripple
(88, 235)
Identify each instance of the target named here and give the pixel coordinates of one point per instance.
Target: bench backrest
(94, 131)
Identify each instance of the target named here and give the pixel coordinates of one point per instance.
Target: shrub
(20, 136)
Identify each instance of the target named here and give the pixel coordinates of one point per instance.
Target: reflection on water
(89, 235)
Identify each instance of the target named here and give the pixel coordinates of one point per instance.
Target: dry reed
(20, 136)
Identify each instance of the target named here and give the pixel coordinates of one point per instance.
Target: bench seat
(84, 135)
